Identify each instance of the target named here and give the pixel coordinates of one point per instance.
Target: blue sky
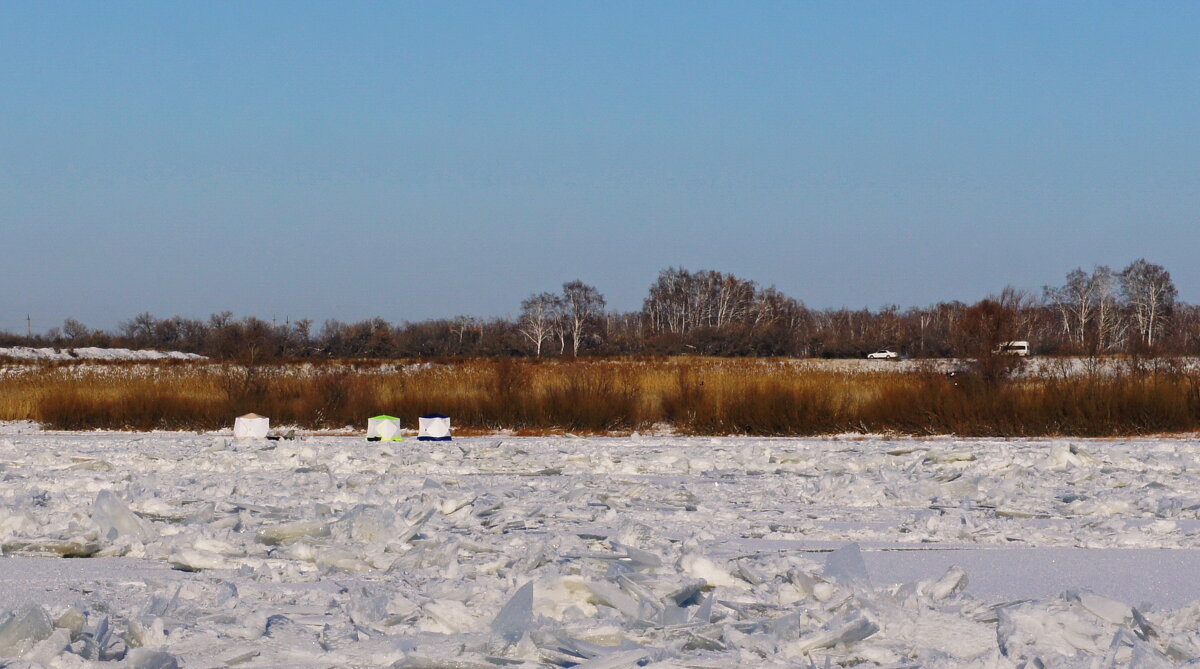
(422, 160)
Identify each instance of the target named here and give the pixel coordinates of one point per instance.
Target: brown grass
(692, 396)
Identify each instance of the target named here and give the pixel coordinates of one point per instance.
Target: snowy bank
(92, 353)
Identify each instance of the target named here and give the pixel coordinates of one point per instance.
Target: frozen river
(598, 552)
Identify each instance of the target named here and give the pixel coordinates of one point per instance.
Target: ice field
(606, 553)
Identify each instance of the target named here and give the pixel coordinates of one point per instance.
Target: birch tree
(540, 316)
(583, 305)
(681, 301)
(1150, 295)
(1086, 305)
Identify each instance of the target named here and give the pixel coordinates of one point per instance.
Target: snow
(652, 551)
(1032, 367)
(93, 353)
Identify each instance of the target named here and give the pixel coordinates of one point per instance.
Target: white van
(1018, 348)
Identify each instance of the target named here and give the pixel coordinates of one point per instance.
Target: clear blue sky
(420, 160)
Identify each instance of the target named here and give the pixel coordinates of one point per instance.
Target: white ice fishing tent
(434, 427)
(251, 426)
(383, 428)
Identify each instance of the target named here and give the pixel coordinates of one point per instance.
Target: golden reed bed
(688, 395)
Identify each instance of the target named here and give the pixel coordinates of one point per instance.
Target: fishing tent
(251, 426)
(434, 427)
(383, 428)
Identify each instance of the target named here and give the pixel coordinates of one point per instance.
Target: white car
(1018, 348)
(883, 354)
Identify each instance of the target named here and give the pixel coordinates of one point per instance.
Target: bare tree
(981, 333)
(681, 301)
(1086, 305)
(460, 326)
(670, 303)
(1108, 311)
(1150, 295)
(74, 330)
(540, 315)
(139, 331)
(583, 306)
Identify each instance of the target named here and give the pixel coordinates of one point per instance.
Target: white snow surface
(93, 353)
(597, 552)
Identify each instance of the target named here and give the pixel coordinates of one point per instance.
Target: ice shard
(516, 618)
(23, 629)
(114, 519)
(846, 565)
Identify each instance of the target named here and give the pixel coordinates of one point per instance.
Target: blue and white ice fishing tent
(434, 427)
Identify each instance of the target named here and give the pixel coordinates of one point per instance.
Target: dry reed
(692, 396)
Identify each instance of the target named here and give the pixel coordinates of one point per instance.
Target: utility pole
(28, 326)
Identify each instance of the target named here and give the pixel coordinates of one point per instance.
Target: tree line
(1094, 312)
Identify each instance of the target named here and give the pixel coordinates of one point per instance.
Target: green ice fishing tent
(383, 428)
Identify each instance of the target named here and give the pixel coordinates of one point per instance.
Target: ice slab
(516, 618)
(23, 629)
(114, 519)
(846, 565)
(288, 532)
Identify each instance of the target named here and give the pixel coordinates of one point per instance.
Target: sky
(333, 160)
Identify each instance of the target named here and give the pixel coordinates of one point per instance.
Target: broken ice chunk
(49, 648)
(1110, 610)
(71, 620)
(846, 565)
(289, 532)
(144, 658)
(637, 556)
(804, 583)
(516, 618)
(673, 615)
(366, 609)
(23, 629)
(952, 583)
(840, 632)
(704, 612)
(447, 616)
(609, 594)
(688, 593)
(564, 596)
(568, 649)
(241, 657)
(1065, 456)
(620, 660)
(1145, 630)
(749, 574)
(147, 634)
(114, 518)
(98, 642)
(160, 605)
(961, 455)
(366, 523)
(193, 559)
(1033, 630)
(695, 564)
(203, 515)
